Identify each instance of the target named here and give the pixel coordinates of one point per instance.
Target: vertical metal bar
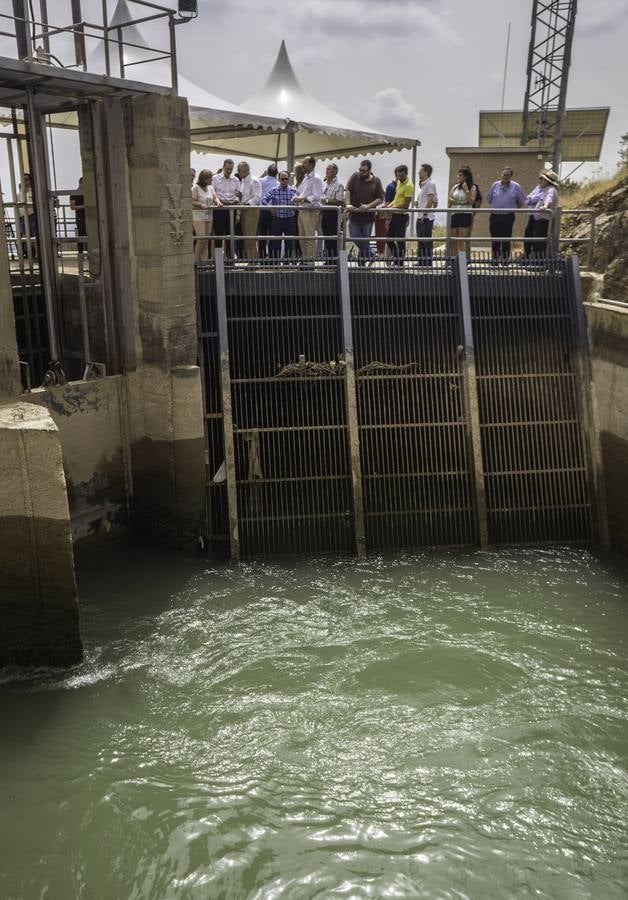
(120, 51)
(43, 14)
(105, 25)
(79, 34)
(555, 223)
(43, 221)
(227, 417)
(591, 243)
(22, 30)
(291, 147)
(352, 406)
(588, 408)
(173, 55)
(83, 306)
(471, 396)
(103, 180)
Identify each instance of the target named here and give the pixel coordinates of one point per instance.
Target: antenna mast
(549, 58)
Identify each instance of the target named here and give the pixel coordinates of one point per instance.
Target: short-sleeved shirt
(282, 196)
(509, 196)
(389, 196)
(363, 191)
(426, 188)
(404, 191)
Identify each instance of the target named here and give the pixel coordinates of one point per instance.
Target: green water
(437, 725)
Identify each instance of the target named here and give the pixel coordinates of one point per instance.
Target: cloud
(388, 110)
(368, 21)
(601, 17)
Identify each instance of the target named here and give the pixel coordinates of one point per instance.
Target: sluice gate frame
(352, 410)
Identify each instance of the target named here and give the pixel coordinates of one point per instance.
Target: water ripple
(430, 725)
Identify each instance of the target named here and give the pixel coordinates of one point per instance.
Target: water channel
(436, 725)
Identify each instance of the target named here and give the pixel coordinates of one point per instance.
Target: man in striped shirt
(333, 196)
(284, 221)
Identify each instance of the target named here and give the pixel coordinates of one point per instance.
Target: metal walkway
(352, 409)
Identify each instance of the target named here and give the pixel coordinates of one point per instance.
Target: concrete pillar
(39, 623)
(167, 439)
(10, 385)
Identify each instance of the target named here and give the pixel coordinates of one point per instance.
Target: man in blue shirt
(269, 183)
(284, 221)
(504, 194)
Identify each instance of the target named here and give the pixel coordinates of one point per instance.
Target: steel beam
(227, 414)
(471, 398)
(352, 407)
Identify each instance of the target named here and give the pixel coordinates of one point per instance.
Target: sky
(418, 67)
(422, 68)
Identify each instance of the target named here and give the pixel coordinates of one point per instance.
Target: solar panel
(583, 131)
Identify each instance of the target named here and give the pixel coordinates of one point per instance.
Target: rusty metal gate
(350, 409)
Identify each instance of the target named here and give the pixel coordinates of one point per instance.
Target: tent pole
(414, 172)
(291, 147)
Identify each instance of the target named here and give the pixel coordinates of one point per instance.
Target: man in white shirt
(227, 188)
(250, 194)
(308, 200)
(427, 199)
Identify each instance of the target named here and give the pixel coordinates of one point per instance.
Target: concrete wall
(92, 420)
(487, 163)
(38, 601)
(136, 470)
(608, 332)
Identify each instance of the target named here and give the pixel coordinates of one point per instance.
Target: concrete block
(90, 417)
(38, 601)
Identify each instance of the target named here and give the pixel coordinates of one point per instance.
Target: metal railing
(239, 245)
(34, 37)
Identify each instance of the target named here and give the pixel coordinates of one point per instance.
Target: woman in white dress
(203, 198)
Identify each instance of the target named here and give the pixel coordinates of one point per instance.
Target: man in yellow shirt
(404, 196)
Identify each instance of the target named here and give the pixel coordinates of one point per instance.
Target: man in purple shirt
(503, 195)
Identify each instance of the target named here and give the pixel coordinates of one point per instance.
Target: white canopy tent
(306, 126)
(280, 122)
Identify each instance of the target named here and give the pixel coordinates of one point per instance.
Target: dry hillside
(609, 199)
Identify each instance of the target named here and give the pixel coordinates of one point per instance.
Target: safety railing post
(591, 242)
(227, 414)
(471, 396)
(555, 231)
(352, 406)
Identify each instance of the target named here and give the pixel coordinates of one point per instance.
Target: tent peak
(282, 72)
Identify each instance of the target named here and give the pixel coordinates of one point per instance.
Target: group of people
(504, 197)
(283, 213)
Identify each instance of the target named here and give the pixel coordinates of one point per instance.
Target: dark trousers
(397, 229)
(278, 228)
(329, 225)
(221, 228)
(424, 228)
(32, 228)
(500, 226)
(536, 228)
(263, 227)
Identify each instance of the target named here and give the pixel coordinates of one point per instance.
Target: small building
(487, 163)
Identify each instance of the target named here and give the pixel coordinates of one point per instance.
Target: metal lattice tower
(549, 57)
